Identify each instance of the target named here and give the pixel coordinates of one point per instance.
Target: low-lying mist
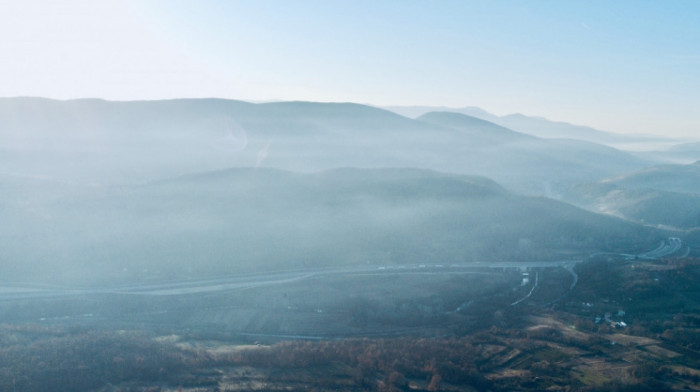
(255, 219)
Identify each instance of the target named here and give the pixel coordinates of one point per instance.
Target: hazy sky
(624, 66)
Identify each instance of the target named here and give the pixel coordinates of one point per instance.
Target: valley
(605, 331)
(389, 196)
(217, 245)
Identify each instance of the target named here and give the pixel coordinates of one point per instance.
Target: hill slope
(676, 178)
(131, 142)
(646, 206)
(542, 127)
(663, 195)
(264, 219)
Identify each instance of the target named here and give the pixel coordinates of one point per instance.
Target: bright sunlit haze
(624, 66)
(349, 195)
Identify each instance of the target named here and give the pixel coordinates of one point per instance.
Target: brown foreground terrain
(626, 326)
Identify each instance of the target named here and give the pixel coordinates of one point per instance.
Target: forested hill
(266, 219)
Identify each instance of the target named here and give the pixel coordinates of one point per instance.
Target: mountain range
(259, 219)
(548, 129)
(95, 141)
(101, 191)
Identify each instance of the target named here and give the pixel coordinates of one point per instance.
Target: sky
(622, 66)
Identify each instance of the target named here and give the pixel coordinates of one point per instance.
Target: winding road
(14, 291)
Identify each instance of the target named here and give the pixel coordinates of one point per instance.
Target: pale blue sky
(624, 66)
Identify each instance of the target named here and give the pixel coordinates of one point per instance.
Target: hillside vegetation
(667, 195)
(260, 219)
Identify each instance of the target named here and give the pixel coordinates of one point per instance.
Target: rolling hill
(248, 220)
(647, 206)
(680, 153)
(96, 141)
(527, 163)
(667, 195)
(543, 128)
(675, 178)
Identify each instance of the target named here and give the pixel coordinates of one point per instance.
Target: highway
(246, 281)
(12, 291)
(667, 248)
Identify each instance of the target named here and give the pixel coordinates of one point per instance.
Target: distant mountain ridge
(97, 141)
(537, 126)
(478, 128)
(675, 178)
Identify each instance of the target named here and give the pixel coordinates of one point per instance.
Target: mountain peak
(472, 125)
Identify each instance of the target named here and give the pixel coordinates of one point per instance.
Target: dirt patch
(510, 373)
(630, 340)
(662, 352)
(548, 322)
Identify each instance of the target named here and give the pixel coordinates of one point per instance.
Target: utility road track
(18, 290)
